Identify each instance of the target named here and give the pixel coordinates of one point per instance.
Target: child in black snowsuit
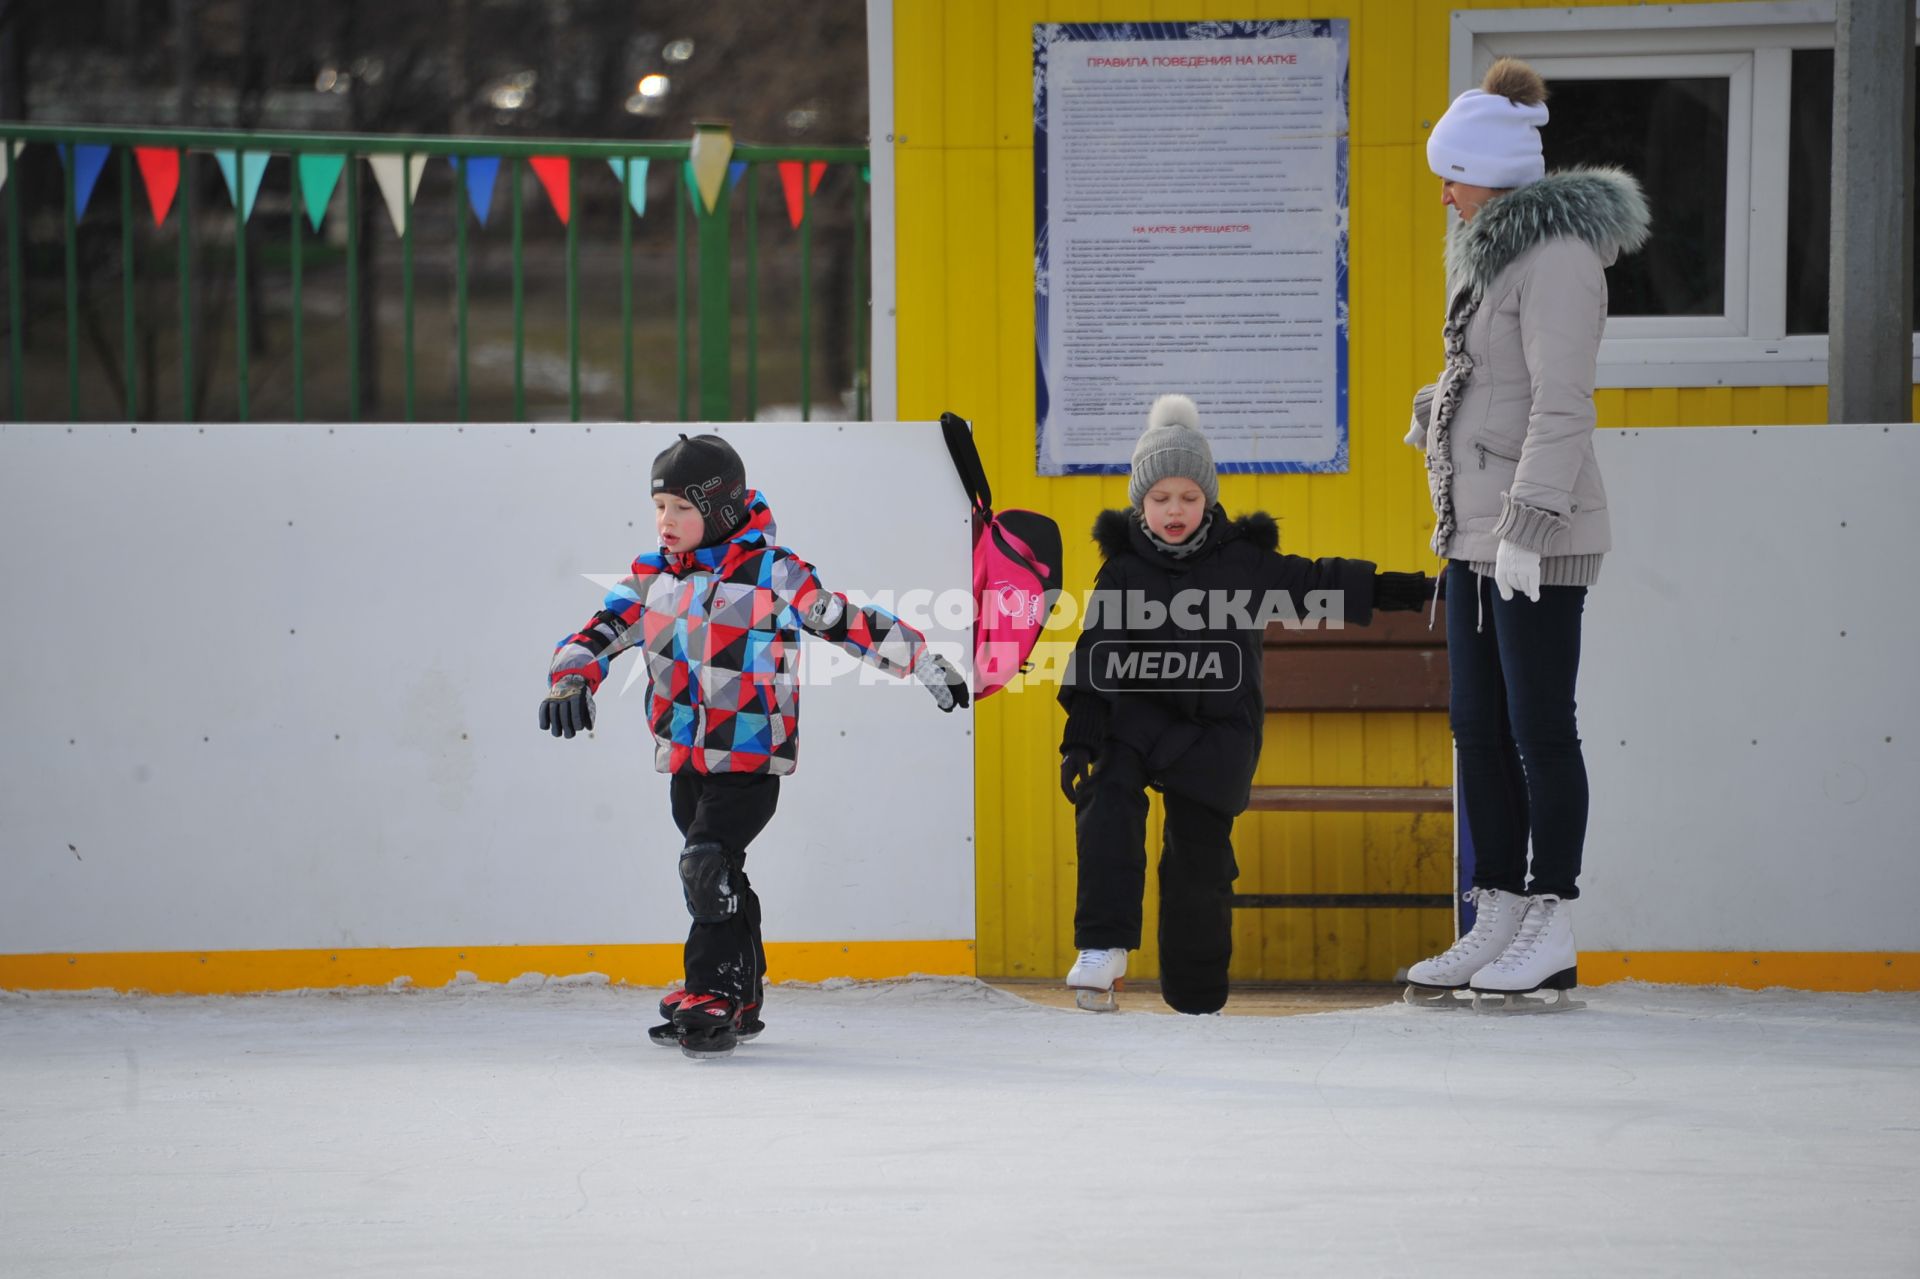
(717, 612)
(1164, 690)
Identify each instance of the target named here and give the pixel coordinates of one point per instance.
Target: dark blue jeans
(1520, 770)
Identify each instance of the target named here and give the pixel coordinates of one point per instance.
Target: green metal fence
(705, 367)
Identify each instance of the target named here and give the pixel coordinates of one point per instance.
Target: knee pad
(706, 876)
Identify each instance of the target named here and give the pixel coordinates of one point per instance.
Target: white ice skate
(1094, 978)
(1437, 982)
(1542, 957)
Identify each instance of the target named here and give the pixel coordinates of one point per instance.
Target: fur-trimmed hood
(1604, 207)
(1118, 532)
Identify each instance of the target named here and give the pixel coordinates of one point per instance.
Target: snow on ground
(945, 1128)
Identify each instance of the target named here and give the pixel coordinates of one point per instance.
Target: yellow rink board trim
(1756, 970)
(239, 972)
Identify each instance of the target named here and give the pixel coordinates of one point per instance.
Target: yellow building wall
(964, 216)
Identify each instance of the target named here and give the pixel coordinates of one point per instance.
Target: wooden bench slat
(1352, 799)
(1340, 679)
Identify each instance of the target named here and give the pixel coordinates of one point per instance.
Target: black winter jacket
(1200, 738)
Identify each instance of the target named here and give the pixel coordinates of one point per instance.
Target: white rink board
(1750, 692)
(275, 687)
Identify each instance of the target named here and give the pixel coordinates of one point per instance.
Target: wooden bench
(1394, 664)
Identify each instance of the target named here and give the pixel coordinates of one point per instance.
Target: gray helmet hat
(707, 472)
(1172, 445)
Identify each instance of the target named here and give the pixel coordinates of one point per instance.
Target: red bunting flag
(160, 171)
(790, 180)
(552, 172)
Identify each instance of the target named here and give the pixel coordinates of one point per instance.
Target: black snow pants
(728, 809)
(1197, 871)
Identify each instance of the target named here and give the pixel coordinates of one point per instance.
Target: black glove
(948, 686)
(1076, 766)
(1401, 592)
(567, 708)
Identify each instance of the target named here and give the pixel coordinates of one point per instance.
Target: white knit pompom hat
(1490, 136)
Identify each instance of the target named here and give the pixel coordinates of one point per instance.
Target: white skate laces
(1533, 926)
(1486, 917)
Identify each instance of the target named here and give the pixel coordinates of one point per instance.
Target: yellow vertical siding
(964, 211)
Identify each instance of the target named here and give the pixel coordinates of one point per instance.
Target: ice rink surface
(947, 1128)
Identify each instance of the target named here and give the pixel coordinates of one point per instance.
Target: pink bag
(1016, 570)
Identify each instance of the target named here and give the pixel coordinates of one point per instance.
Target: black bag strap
(966, 460)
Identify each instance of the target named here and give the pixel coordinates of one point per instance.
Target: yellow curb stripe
(237, 972)
(1757, 970)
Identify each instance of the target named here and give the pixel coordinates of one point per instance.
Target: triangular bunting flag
(552, 172)
(319, 175)
(735, 171)
(482, 172)
(255, 164)
(398, 193)
(711, 150)
(790, 182)
(160, 171)
(634, 174)
(88, 159)
(866, 173)
(9, 154)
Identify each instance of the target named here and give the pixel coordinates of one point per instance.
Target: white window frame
(1752, 45)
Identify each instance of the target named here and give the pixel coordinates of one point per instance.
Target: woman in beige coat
(1508, 436)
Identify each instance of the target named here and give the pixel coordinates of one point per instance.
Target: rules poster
(1190, 207)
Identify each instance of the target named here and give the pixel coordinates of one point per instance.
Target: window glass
(1672, 135)
(1810, 192)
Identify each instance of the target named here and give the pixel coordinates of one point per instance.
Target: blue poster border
(1048, 34)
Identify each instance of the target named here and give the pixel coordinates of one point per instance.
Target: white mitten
(1515, 568)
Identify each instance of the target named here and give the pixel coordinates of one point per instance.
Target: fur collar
(1604, 207)
(1115, 532)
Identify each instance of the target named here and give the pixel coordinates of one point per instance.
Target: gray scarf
(1178, 550)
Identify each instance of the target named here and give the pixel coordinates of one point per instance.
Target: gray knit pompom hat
(1172, 445)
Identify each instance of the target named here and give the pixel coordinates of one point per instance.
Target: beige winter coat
(1522, 435)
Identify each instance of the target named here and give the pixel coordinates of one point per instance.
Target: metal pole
(406, 273)
(353, 289)
(16, 303)
(186, 289)
(299, 335)
(73, 288)
(460, 284)
(861, 302)
(130, 358)
(519, 307)
(753, 292)
(573, 301)
(680, 279)
(1870, 307)
(626, 290)
(716, 318)
(240, 278)
(806, 296)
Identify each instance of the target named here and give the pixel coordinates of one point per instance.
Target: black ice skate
(666, 1034)
(709, 1026)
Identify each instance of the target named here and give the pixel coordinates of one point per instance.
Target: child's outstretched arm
(1361, 588)
(871, 634)
(582, 660)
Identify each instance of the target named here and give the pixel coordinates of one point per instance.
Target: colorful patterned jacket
(720, 630)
